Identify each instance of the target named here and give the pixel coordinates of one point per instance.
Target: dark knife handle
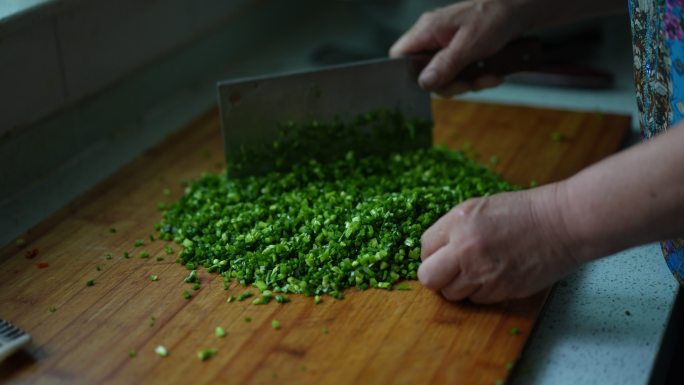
(519, 55)
(523, 54)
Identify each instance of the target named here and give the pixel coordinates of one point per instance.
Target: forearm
(545, 13)
(631, 198)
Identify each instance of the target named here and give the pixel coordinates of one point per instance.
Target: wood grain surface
(371, 337)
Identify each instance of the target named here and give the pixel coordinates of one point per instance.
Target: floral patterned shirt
(658, 44)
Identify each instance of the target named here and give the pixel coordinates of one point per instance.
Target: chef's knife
(252, 110)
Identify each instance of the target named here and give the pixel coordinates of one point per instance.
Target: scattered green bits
(206, 354)
(52, 309)
(138, 243)
(161, 351)
(196, 286)
(244, 296)
(515, 331)
(261, 300)
(324, 330)
(144, 255)
(230, 298)
(159, 259)
(317, 299)
(168, 249)
(98, 268)
(281, 298)
(220, 332)
(509, 366)
(112, 230)
(154, 277)
(186, 294)
(151, 237)
(132, 353)
(126, 255)
(108, 256)
(275, 324)
(90, 282)
(248, 319)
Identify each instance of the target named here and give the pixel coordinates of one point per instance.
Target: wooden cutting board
(83, 334)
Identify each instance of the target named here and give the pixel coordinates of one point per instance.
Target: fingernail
(428, 79)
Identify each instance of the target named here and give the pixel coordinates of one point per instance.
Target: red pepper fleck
(30, 254)
(42, 265)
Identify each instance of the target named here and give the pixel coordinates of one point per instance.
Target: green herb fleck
(108, 256)
(138, 243)
(281, 298)
(403, 286)
(244, 296)
(151, 238)
(509, 366)
(159, 259)
(261, 300)
(494, 159)
(557, 136)
(325, 330)
(206, 354)
(161, 351)
(126, 255)
(515, 331)
(90, 282)
(196, 286)
(230, 298)
(191, 277)
(166, 192)
(186, 294)
(144, 254)
(154, 277)
(168, 249)
(112, 230)
(52, 309)
(133, 353)
(317, 299)
(248, 319)
(98, 268)
(275, 324)
(220, 332)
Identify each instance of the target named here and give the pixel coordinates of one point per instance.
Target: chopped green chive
(317, 299)
(108, 256)
(126, 255)
(261, 300)
(152, 319)
(112, 229)
(324, 330)
(244, 296)
(138, 243)
(515, 331)
(161, 351)
(144, 254)
(186, 294)
(52, 309)
(90, 282)
(281, 298)
(509, 366)
(533, 183)
(151, 238)
(230, 298)
(206, 354)
(154, 277)
(192, 277)
(220, 332)
(403, 286)
(132, 353)
(248, 319)
(557, 136)
(98, 268)
(168, 249)
(196, 286)
(275, 324)
(159, 259)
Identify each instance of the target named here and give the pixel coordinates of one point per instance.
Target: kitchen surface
(107, 94)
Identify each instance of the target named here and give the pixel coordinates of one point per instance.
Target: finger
(434, 238)
(438, 270)
(459, 289)
(444, 66)
(418, 38)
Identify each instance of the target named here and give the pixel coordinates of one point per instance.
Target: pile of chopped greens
(322, 227)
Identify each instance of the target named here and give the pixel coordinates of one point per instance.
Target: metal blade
(251, 109)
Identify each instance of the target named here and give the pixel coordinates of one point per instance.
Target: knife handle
(519, 55)
(523, 54)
